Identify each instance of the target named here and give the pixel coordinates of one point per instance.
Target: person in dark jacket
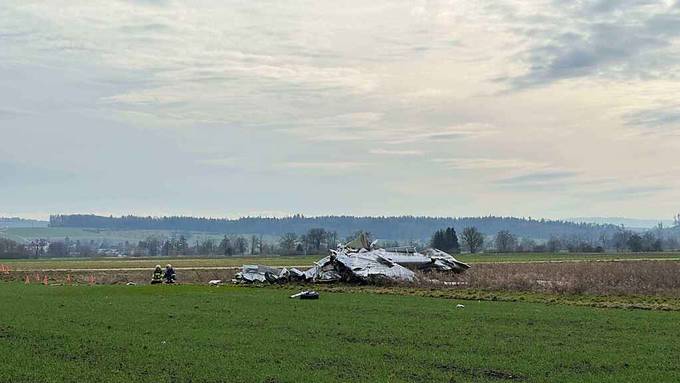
(157, 276)
(169, 274)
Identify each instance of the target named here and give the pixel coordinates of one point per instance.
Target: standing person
(157, 276)
(169, 274)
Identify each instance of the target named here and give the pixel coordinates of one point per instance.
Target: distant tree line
(622, 241)
(318, 240)
(12, 249)
(393, 228)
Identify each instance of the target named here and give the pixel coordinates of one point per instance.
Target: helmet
(158, 266)
(168, 266)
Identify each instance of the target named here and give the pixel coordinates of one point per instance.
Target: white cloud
(489, 163)
(325, 166)
(228, 162)
(434, 134)
(397, 152)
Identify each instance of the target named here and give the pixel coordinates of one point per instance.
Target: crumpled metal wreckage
(349, 264)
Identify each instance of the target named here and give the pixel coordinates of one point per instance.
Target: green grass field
(237, 334)
(131, 262)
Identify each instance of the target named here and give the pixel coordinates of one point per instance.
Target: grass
(131, 262)
(623, 301)
(27, 234)
(641, 277)
(562, 257)
(149, 262)
(228, 334)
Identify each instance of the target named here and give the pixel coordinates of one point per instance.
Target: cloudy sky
(227, 108)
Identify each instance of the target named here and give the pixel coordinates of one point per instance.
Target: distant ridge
(398, 228)
(627, 222)
(14, 222)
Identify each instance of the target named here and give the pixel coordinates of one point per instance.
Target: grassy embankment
(226, 334)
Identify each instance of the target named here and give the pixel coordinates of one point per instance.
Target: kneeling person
(157, 276)
(169, 274)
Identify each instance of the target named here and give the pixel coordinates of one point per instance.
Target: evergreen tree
(182, 245)
(446, 240)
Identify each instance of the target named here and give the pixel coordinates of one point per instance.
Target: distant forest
(389, 228)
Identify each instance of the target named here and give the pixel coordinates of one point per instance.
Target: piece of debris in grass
(460, 306)
(454, 283)
(215, 282)
(306, 295)
(131, 284)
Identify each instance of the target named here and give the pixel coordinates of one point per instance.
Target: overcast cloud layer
(382, 107)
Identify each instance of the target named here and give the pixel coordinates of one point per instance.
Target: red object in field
(45, 280)
(27, 281)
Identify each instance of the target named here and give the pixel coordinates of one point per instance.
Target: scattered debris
(306, 295)
(260, 273)
(358, 262)
(131, 284)
(215, 282)
(443, 261)
(460, 306)
(447, 283)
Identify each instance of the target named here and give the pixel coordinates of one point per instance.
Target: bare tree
(240, 245)
(226, 247)
(505, 241)
(57, 250)
(316, 237)
(332, 238)
(288, 243)
(253, 245)
(206, 247)
(621, 238)
(553, 245)
(527, 245)
(473, 240)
